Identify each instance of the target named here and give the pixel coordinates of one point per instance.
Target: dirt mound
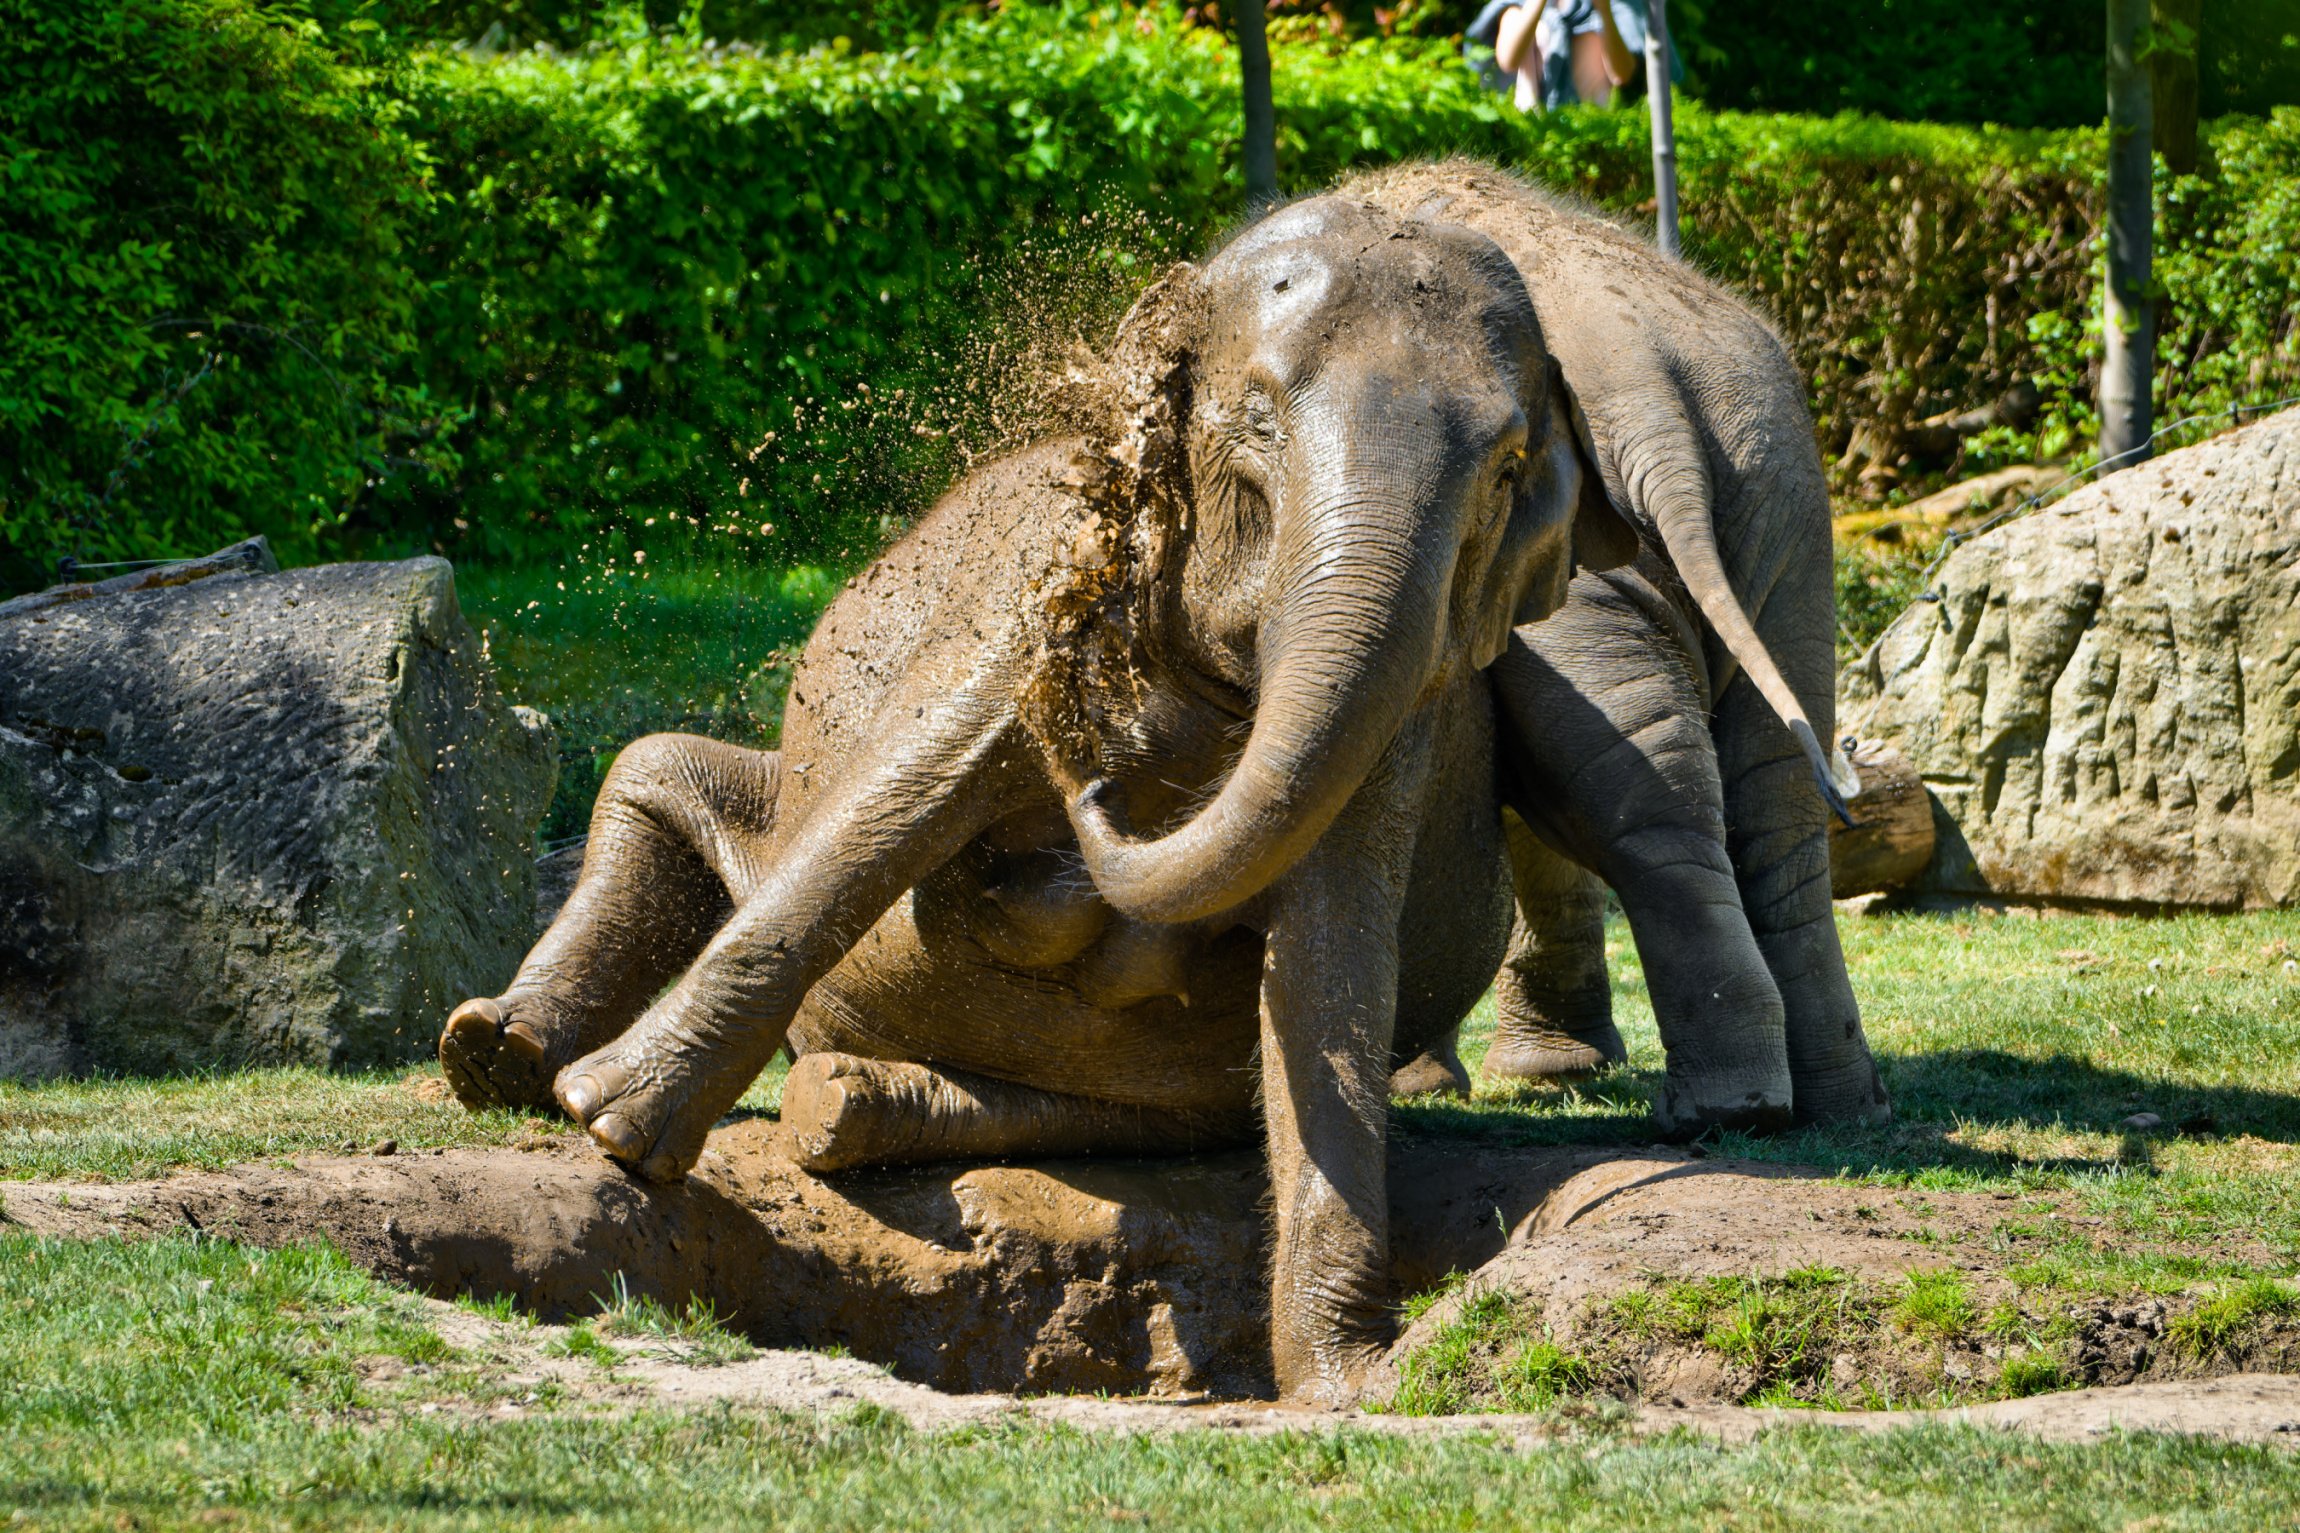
(1126, 1276)
(1685, 1284)
(1147, 1277)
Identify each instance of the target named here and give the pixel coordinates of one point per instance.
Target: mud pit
(1141, 1277)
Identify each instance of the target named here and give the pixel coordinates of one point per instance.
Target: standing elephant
(1140, 792)
(1664, 730)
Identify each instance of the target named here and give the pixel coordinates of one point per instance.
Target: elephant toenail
(521, 1039)
(475, 1020)
(617, 1136)
(580, 1096)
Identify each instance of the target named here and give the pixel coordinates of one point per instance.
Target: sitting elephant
(1144, 792)
(1660, 730)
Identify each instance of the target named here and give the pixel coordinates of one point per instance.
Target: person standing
(1568, 51)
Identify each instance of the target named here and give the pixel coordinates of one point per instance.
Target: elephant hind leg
(1780, 851)
(674, 838)
(1553, 1000)
(844, 1111)
(1436, 1071)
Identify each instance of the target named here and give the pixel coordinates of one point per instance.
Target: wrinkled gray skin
(1000, 896)
(1662, 730)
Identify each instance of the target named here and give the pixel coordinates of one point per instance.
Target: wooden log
(1892, 838)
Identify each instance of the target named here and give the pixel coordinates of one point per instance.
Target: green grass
(119, 1130)
(2216, 1325)
(1936, 1304)
(195, 1384)
(691, 1334)
(614, 646)
(2014, 1047)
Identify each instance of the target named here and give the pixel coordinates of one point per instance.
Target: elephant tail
(1679, 495)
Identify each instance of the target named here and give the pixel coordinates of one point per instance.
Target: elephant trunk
(1347, 641)
(1677, 492)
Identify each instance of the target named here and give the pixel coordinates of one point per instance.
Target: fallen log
(1891, 840)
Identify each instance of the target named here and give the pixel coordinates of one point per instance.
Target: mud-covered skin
(1037, 861)
(1639, 743)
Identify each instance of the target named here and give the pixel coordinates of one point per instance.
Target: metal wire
(1951, 542)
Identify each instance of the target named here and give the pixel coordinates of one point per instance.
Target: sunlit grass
(123, 1129)
(196, 1384)
(2014, 1047)
(613, 648)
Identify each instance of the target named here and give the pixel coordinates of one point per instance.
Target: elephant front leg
(650, 1097)
(1329, 1002)
(675, 834)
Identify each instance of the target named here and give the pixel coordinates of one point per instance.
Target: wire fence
(1954, 540)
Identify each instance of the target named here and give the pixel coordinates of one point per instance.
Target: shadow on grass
(1942, 1101)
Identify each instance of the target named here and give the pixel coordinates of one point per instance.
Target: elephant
(1663, 731)
(1144, 796)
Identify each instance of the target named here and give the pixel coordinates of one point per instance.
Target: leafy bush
(2037, 64)
(204, 279)
(367, 294)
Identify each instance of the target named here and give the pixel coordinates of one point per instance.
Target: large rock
(2105, 701)
(256, 818)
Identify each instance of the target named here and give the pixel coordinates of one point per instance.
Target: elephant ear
(1603, 536)
(1142, 448)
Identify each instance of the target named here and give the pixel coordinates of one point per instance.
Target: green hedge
(366, 295)
(204, 279)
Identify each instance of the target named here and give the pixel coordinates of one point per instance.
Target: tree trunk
(2127, 322)
(1657, 89)
(2172, 79)
(1261, 115)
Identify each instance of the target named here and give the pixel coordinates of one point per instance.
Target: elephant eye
(1512, 471)
(1261, 415)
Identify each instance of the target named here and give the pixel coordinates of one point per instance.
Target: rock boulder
(2105, 700)
(256, 818)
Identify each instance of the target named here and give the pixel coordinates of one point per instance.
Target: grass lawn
(197, 1383)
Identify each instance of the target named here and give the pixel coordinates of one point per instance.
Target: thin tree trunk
(1261, 115)
(1657, 87)
(2127, 323)
(2172, 76)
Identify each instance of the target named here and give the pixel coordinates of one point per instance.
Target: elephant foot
(843, 1111)
(648, 1099)
(496, 1053)
(1694, 1105)
(1534, 1051)
(1435, 1072)
(1850, 1094)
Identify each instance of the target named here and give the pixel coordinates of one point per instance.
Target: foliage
(2030, 64)
(505, 303)
(204, 279)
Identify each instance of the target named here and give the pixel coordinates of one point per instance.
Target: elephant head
(1383, 478)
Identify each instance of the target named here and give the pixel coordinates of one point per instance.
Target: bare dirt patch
(1145, 1278)
(526, 1365)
